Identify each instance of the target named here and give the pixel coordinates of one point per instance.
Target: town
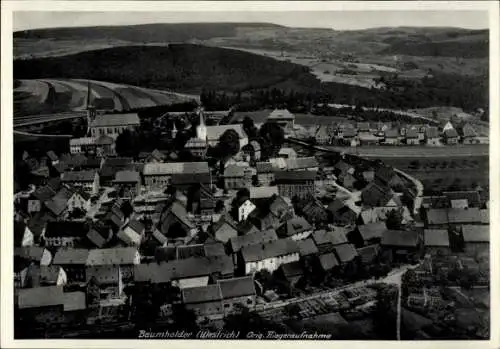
(246, 225)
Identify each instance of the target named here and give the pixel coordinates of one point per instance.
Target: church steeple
(91, 110)
(201, 129)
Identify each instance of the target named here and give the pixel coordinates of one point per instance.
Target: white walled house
(245, 209)
(268, 255)
(113, 125)
(82, 145)
(80, 200)
(86, 180)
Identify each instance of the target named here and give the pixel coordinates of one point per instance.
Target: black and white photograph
(265, 174)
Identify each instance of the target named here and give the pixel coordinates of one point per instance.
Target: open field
(416, 152)
(43, 96)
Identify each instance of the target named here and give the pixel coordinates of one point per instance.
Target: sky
(339, 20)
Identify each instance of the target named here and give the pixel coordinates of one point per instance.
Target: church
(208, 136)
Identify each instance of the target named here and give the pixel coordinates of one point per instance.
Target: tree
(127, 143)
(249, 127)
(229, 144)
(219, 206)
(22, 174)
(127, 208)
(394, 219)
(273, 137)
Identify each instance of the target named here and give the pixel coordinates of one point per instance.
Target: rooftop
(281, 114)
(78, 176)
(262, 251)
(436, 237)
(127, 177)
(237, 287)
(253, 238)
(104, 120)
(209, 293)
(345, 252)
(328, 261)
(158, 169)
(307, 247)
(112, 256)
(400, 238)
(476, 233)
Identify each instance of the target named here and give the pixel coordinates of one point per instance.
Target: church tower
(201, 129)
(174, 131)
(91, 110)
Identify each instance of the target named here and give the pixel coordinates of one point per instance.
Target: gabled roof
(263, 192)
(292, 269)
(203, 294)
(99, 236)
(301, 163)
(283, 177)
(436, 237)
(473, 198)
(237, 287)
(328, 261)
(59, 202)
(281, 114)
(40, 297)
(179, 211)
(307, 247)
(214, 249)
(66, 256)
(127, 177)
(52, 156)
(400, 238)
(450, 133)
(375, 195)
(105, 120)
(112, 256)
(368, 253)
(391, 133)
(246, 227)
(264, 167)
(32, 253)
(469, 131)
(214, 132)
(262, 251)
(372, 230)
(412, 133)
(296, 225)
(234, 171)
(44, 193)
(158, 169)
(476, 233)
(262, 236)
(431, 132)
(190, 251)
(345, 252)
(323, 236)
(190, 178)
(74, 301)
(78, 176)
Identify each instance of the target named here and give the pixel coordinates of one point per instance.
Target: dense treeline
(463, 49)
(229, 77)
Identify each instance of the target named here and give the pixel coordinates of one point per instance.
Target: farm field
(45, 96)
(415, 152)
(439, 174)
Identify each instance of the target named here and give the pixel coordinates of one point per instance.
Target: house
(246, 227)
(252, 151)
(79, 199)
(132, 233)
(155, 156)
(65, 233)
(110, 166)
(307, 248)
(201, 201)
(450, 136)
(86, 180)
(197, 147)
(245, 209)
(368, 139)
(315, 212)
(39, 276)
(291, 272)
(203, 300)
(45, 304)
(436, 241)
(469, 135)
(105, 146)
(345, 253)
(476, 238)
(112, 268)
(113, 125)
(308, 163)
(185, 181)
(401, 243)
(432, 136)
(326, 239)
(268, 255)
(375, 195)
(368, 234)
(443, 217)
(265, 173)
(236, 243)
(190, 251)
(368, 254)
(82, 145)
(237, 291)
(323, 135)
(57, 206)
(412, 137)
(391, 137)
(175, 223)
(34, 254)
(327, 261)
(73, 262)
(23, 236)
(386, 176)
(159, 175)
(234, 177)
(471, 197)
(99, 236)
(224, 229)
(296, 228)
(287, 153)
(283, 118)
(341, 214)
(295, 183)
(127, 183)
(363, 127)
(260, 193)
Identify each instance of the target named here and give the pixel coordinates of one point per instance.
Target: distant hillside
(179, 67)
(143, 33)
